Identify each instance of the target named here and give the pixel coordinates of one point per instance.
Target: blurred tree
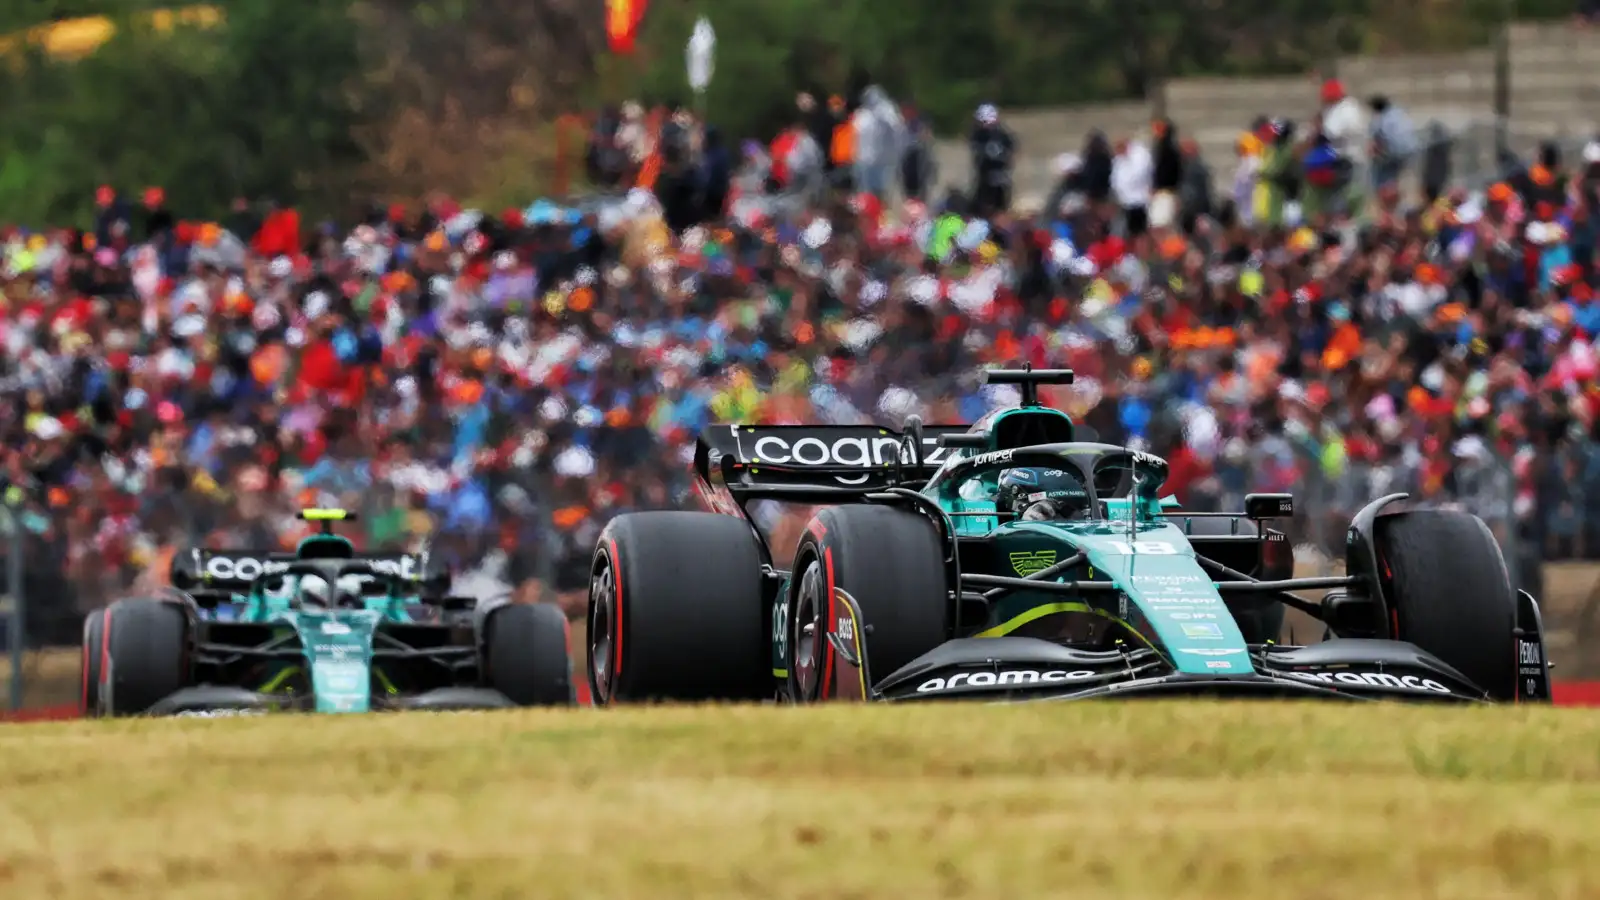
(16, 16)
(324, 102)
(949, 55)
(256, 107)
(467, 90)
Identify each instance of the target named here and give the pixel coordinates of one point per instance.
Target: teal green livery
(1019, 557)
(325, 629)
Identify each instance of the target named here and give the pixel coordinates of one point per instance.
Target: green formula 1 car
(1018, 558)
(323, 629)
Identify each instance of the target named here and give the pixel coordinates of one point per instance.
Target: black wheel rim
(602, 599)
(807, 637)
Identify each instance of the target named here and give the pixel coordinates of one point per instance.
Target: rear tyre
(1260, 620)
(146, 655)
(892, 562)
(94, 650)
(676, 610)
(1450, 593)
(525, 650)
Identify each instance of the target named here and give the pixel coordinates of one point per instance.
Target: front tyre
(1450, 593)
(146, 656)
(892, 562)
(525, 649)
(94, 653)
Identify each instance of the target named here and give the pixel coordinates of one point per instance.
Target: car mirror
(962, 441)
(1268, 506)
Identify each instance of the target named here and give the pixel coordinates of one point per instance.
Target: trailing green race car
(323, 629)
(1018, 558)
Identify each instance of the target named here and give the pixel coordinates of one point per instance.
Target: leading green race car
(1018, 558)
(323, 629)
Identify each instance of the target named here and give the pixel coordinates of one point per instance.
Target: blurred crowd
(495, 385)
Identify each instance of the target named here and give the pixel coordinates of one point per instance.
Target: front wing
(1028, 668)
(218, 702)
(1021, 668)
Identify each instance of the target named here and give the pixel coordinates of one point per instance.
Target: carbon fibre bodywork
(384, 636)
(1131, 599)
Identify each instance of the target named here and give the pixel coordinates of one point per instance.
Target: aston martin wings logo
(1027, 562)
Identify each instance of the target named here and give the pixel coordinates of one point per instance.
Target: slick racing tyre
(676, 610)
(892, 562)
(1260, 620)
(525, 651)
(1447, 585)
(146, 656)
(94, 651)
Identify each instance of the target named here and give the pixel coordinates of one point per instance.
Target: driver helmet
(315, 590)
(1035, 494)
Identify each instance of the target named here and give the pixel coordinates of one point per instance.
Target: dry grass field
(49, 677)
(1096, 800)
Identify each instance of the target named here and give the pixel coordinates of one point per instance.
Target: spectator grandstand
(497, 385)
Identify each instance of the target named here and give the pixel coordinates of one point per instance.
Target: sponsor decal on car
(335, 651)
(1531, 669)
(845, 628)
(1186, 616)
(780, 632)
(1143, 548)
(1181, 602)
(995, 679)
(1211, 651)
(1528, 654)
(843, 451)
(997, 456)
(1027, 562)
(242, 568)
(1373, 679)
(248, 568)
(1166, 581)
(848, 451)
(1218, 664)
(217, 713)
(1202, 630)
(406, 567)
(1149, 459)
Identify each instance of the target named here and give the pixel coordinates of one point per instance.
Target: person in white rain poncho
(1132, 182)
(880, 133)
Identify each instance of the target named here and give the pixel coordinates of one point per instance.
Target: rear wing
(796, 462)
(237, 570)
